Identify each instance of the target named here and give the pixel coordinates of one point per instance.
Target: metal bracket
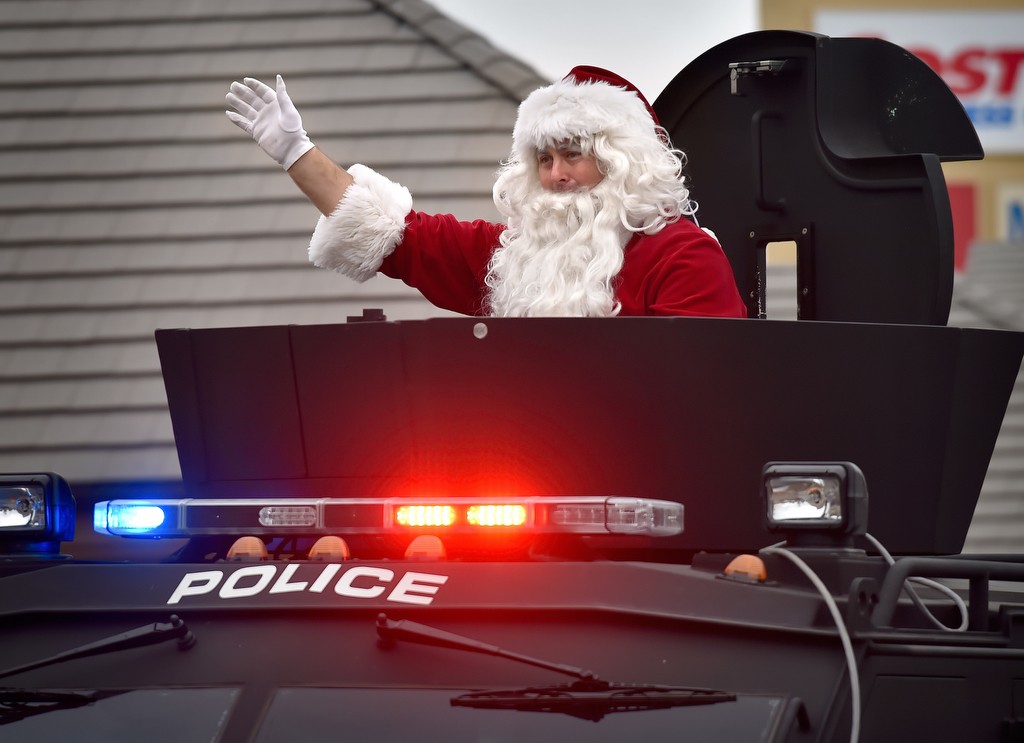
(762, 67)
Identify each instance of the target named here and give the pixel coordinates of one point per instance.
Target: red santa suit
(680, 270)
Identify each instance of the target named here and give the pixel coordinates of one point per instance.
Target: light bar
(171, 518)
(37, 513)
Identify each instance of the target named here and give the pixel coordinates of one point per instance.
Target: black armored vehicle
(634, 529)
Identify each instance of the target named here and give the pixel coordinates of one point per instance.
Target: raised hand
(270, 118)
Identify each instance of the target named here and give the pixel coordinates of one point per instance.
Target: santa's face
(565, 168)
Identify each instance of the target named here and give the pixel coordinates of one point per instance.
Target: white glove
(270, 118)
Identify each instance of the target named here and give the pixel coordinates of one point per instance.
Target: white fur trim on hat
(569, 110)
(364, 228)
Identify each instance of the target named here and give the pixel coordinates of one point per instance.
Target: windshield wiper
(590, 700)
(17, 704)
(589, 697)
(150, 634)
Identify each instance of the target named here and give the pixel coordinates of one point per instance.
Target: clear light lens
(656, 518)
(643, 516)
(22, 506)
(496, 515)
(287, 516)
(578, 514)
(37, 513)
(805, 499)
(425, 515)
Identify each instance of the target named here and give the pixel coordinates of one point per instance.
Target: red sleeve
(680, 271)
(445, 259)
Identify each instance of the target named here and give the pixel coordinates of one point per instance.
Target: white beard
(559, 257)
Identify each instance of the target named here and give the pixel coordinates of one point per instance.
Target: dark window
(150, 715)
(425, 716)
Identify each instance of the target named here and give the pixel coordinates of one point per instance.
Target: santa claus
(598, 219)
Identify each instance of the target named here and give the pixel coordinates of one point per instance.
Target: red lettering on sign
(1011, 59)
(968, 70)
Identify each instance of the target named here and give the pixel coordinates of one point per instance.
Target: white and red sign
(979, 54)
(360, 582)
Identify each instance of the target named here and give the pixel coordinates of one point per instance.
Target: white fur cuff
(365, 227)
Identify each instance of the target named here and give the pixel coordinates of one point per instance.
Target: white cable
(844, 636)
(945, 590)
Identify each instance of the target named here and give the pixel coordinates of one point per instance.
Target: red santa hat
(587, 101)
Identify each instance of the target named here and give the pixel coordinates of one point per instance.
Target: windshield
(153, 715)
(427, 716)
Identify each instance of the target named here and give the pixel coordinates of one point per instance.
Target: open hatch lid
(835, 144)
